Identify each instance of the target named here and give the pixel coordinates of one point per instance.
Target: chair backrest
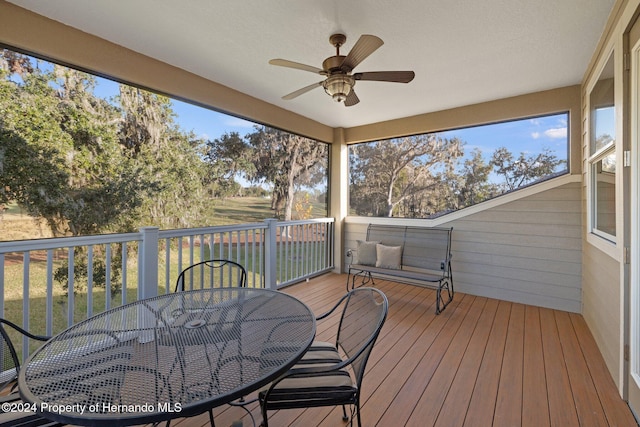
(215, 273)
(8, 358)
(363, 316)
(422, 247)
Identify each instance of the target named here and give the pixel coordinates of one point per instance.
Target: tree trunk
(288, 202)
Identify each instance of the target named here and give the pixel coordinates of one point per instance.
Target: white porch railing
(47, 285)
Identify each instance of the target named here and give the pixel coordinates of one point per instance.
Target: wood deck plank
(382, 384)
(452, 414)
(585, 396)
(434, 395)
(535, 402)
(562, 411)
(615, 409)
(483, 400)
(482, 362)
(433, 345)
(508, 410)
(394, 341)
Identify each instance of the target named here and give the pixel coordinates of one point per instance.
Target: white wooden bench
(420, 255)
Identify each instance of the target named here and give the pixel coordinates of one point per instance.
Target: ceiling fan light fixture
(339, 81)
(339, 86)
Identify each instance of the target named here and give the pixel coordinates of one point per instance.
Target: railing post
(270, 254)
(148, 263)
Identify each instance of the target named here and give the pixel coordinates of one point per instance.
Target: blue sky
(528, 135)
(208, 124)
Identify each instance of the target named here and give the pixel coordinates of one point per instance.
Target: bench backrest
(422, 247)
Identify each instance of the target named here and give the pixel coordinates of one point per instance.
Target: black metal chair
(331, 374)
(215, 273)
(8, 382)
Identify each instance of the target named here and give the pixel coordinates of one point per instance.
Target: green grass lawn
(290, 262)
(238, 210)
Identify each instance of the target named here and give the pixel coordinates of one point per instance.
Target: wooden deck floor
(482, 362)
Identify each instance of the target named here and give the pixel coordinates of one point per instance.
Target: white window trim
(600, 154)
(605, 242)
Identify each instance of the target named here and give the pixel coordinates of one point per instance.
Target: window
(129, 157)
(428, 175)
(602, 159)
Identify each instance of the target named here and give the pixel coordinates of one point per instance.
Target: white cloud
(535, 135)
(556, 133)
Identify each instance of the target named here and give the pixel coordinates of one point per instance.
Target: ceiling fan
(340, 82)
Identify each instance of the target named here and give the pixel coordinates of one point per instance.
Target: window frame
(596, 155)
(448, 213)
(606, 151)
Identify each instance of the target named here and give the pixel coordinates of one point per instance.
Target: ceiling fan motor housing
(334, 64)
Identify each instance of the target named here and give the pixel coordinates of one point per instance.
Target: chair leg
(213, 424)
(265, 421)
(345, 418)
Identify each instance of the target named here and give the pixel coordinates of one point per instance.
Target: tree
(145, 120)
(387, 173)
(104, 186)
(61, 158)
(227, 157)
(285, 159)
(169, 159)
(475, 186)
(525, 169)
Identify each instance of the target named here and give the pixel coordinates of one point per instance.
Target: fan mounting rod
(333, 64)
(337, 40)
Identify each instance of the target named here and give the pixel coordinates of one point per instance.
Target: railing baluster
(49, 314)
(246, 250)
(274, 253)
(284, 261)
(70, 285)
(200, 243)
(238, 259)
(123, 260)
(226, 250)
(180, 267)
(314, 246)
(191, 247)
(90, 281)
(26, 259)
(167, 267)
(107, 278)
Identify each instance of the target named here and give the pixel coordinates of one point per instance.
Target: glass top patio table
(170, 356)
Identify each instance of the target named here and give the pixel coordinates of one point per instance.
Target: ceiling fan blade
(365, 46)
(301, 91)
(352, 99)
(296, 65)
(386, 76)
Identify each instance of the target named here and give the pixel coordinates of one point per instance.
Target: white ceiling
(462, 51)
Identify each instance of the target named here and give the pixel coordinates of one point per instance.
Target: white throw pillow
(388, 256)
(366, 253)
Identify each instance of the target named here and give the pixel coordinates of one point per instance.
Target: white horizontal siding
(526, 250)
